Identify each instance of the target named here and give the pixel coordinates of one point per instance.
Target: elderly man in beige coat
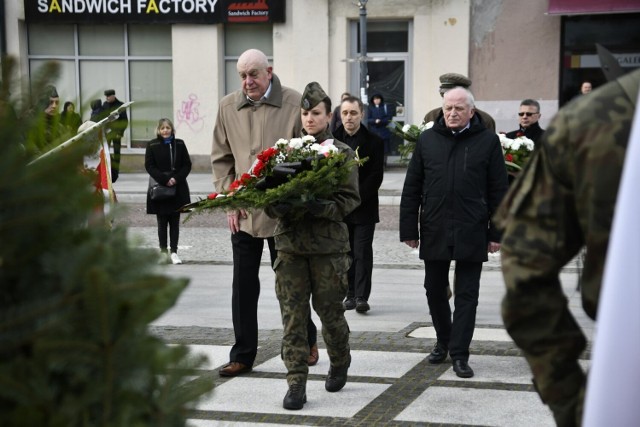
(250, 120)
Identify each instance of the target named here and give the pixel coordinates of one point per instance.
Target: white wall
(198, 76)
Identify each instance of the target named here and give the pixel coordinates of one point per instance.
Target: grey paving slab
(479, 334)
(478, 407)
(377, 364)
(266, 396)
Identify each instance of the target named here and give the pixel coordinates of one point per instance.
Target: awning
(585, 7)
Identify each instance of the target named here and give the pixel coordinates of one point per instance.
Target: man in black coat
(529, 114)
(362, 221)
(114, 130)
(455, 181)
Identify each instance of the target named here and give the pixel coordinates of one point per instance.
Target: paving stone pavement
(390, 382)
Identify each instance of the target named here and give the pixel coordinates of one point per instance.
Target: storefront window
(618, 33)
(237, 39)
(134, 60)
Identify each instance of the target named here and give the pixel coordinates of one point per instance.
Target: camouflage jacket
(563, 200)
(322, 232)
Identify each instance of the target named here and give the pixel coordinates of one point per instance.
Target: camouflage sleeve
(541, 234)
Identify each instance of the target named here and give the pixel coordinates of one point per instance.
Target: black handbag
(158, 192)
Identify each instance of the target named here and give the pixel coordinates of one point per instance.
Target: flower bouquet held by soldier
(296, 171)
(312, 259)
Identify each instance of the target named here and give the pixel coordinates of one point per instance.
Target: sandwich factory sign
(153, 11)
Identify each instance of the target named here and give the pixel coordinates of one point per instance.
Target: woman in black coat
(167, 161)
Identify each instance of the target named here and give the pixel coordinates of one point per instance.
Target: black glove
(278, 211)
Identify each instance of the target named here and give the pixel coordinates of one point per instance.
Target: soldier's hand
(493, 247)
(233, 219)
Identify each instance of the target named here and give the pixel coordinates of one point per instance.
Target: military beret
(312, 96)
(109, 92)
(450, 80)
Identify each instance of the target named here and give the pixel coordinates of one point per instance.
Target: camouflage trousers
(324, 279)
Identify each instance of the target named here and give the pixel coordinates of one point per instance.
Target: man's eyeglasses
(522, 113)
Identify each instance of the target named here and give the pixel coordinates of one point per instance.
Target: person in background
(362, 221)
(564, 200)
(96, 110)
(250, 120)
(529, 114)
(455, 181)
(379, 115)
(167, 161)
(313, 260)
(336, 119)
(69, 118)
(586, 87)
(449, 81)
(114, 131)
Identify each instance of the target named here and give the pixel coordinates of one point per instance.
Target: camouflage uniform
(564, 199)
(313, 260)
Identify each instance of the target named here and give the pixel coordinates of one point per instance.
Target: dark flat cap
(312, 96)
(449, 80)
(109, 92)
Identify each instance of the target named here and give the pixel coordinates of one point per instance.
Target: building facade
(176, 58)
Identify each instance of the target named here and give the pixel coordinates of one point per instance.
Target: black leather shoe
(349, 303)
(337, 377)
(438, 354)
(296, 397)
(362, 306)
(462, 369)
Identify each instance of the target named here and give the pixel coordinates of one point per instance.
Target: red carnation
(508, 157)
(519, 134)
(245, 178)
(212, 196)
(234, 185)
(258, 168)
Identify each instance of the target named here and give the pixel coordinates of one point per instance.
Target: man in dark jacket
(529, 115)
(114, 130)
(362, 221)
(455, 181)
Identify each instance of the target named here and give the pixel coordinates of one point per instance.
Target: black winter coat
(533, 132)
(453, 186)
(370, 174)
(157, 162)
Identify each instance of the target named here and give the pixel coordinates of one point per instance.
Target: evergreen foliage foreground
(76, 298)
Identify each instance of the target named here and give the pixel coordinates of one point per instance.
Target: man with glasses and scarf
(529, 115)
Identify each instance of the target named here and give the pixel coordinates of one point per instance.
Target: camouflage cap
(450, 80)
(312, 96)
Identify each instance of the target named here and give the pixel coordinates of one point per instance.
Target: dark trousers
(455, 335)
(361, 243)
(115, 159)
(247, 254)
(173, 221)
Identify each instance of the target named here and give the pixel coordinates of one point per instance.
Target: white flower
(282, 142)
(315, 147)
(295, 143)
(308, 139)
(406, 128)
(426, 126)
(529, 144)
(504, 141)
(515, 145)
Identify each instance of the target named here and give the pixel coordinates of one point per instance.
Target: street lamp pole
(362, 4)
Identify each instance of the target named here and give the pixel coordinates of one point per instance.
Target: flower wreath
(294, 171)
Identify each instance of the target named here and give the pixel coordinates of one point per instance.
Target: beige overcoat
(243, 130)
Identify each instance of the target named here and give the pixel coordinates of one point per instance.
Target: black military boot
(296, 397)
(337, 377)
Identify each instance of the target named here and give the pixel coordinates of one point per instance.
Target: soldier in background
(449, 81)
(563, 200)
(114, 130)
